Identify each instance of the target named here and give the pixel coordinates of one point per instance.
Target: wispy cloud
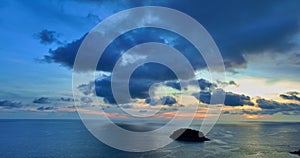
(47, 37)
(42, 100)
(7, 104)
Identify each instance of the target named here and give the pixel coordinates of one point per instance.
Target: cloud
(239, 29)
(165, 100)
(129, 58)
(233, 83)
(252, 28)
(293, 93)
(203, 97)
(270, 104)
(47, 37)
(226, 112)
(103, 89)
(93, 17)
(173, 84)
(42, 100)
(126, 106)
(290, 96)
(64, 55)
(151, 101)
(86, 100)
(139, 84)
(143, 111)
(87, 89)
(48, 108)
(270, 107)
(168, 100)
(206, 85)
(231, 99)
(66, 99)
(7, 104)
(202, 83)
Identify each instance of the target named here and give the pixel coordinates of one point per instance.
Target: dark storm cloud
(47, 37)
(103, 89)
(138, 89)
(248, 27)
(7, 104)
(290, 96)
(42, 108)
(42, 100)
(139, 84)
(231, 99)
(64, 55)
(237, 27)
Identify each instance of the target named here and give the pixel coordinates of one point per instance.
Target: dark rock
(296, 152)
(189, 135)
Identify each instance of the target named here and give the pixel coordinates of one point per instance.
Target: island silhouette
(188, 135)
(296, 152)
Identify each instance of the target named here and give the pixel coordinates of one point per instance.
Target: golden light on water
(254, 116)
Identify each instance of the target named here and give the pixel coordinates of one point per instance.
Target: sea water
(70, 138)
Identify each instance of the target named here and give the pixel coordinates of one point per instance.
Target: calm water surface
(69, 138)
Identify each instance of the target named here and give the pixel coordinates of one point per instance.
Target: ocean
(70, 138)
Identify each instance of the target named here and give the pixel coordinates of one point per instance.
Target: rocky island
(296, 152)
(189, 135)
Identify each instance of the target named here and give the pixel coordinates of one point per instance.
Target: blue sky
(259, 42)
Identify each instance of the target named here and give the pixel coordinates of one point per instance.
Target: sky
(259, 42)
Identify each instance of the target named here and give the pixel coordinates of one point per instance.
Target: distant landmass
(189, 135)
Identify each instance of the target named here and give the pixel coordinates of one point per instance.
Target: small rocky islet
(296, 152)
(188, 135)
